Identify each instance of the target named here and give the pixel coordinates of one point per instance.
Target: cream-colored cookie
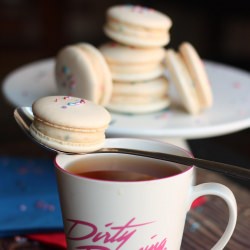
(82, 71)
(190, 78)
(137, 26)
(69, 123)
(140, 97)
(198, 73)
(128, 63)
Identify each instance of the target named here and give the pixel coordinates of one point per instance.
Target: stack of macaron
(135, 58)
(132, 72)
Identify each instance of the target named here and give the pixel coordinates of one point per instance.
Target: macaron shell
(69, 124)
(198, 73)
(157, 105)
(71, 112)
(129, 63)
(158, 86)
(140, 97)
(75, 75)
(183, 82)
(87, 144)
(139, 76)
(82, 71)
(135, 39)
(104, 74)
(117, 53)
(137, 26)
(140, 16)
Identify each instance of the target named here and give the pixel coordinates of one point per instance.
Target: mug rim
(111, 140)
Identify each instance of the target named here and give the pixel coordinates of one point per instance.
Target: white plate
(229, 113)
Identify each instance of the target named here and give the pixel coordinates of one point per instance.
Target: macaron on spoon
(69, 123)
(24, 118)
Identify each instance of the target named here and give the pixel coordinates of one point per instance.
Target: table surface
(205, 224)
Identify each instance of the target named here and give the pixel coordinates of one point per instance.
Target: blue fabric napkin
(29, 201)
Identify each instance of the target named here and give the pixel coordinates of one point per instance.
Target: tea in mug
(118, 167)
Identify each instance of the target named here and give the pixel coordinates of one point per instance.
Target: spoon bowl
(24, 118)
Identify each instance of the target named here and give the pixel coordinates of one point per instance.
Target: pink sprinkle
(51, 208)
(25, 93)
(236, 85)
(72, 84)
(165, 115)
(82, 101)
(44, 206)
(242, 112)
(137, 8)
(20, 239)
(23, 170)
(40, 204)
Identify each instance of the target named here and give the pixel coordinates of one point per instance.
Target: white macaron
(137, 26)
(140, 97)
(69, 124)
(188, 74)
(128, 63)
(82, 71)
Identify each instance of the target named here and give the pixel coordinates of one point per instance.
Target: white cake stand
(229, 113)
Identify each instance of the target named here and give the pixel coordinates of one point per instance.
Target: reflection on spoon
(24, 118)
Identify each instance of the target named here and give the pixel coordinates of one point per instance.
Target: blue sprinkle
(194, 227)
(65, 70)
(23, 208)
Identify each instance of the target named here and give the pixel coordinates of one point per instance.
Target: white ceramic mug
(138, 215)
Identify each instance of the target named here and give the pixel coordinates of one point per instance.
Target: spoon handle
(227, 169)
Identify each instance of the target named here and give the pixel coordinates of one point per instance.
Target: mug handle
(227, 195)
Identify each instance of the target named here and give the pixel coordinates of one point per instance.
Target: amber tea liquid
(119, 167)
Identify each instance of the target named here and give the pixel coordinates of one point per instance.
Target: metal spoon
(24, 118)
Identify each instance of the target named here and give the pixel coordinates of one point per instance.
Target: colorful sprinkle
(67, 79)
(23, 170)
(23, 207)
(20, 240)
(66, 137)
(140, 9)
(72, 84)
(78, 102)
(44, 206)
(194, 226)
(25, 93)
(163, 115)
(236, 85)
(65, 70)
